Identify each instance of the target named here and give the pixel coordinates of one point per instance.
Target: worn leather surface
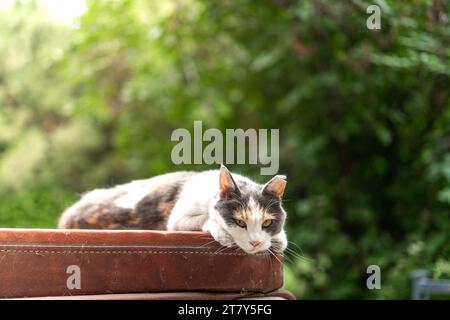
(33, 263)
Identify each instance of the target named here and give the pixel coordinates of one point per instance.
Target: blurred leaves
(363, 116)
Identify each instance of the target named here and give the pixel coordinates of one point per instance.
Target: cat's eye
(240, 223)
(267, 223)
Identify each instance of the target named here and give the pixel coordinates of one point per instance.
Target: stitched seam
(117, 252)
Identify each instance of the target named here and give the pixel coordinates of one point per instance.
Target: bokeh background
(91, 91)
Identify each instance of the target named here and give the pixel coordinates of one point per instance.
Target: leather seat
(107, 264)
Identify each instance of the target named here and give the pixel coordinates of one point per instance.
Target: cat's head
(251, 213)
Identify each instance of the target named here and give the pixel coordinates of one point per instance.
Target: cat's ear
(227, 185)
(275, 186)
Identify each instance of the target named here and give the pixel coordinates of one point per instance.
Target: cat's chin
(254, 250)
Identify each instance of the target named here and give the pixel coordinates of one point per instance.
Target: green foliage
(363, 117)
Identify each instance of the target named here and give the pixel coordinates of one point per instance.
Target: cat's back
(140, 204)
(201, 188)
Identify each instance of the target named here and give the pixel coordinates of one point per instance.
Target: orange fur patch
(166, 207)
(244, 214)
(94, 219)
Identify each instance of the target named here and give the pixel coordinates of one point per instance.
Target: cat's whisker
(270, 260)
(267, 258)
(290, 252)
(287, 257)
(275, 256)
(296, 245)
(221, 249)
(300, 255)
(207, 243)
(280, 252)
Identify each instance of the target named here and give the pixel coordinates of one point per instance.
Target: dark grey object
(423, 287)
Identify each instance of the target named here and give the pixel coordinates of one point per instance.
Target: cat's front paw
(220, 235)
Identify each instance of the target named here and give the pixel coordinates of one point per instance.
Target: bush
(363, 117)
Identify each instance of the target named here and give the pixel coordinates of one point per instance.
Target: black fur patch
(103, 216)
(272, 206)
(227, 208)
(153, 210)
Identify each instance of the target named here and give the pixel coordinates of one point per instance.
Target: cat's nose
(255, 243)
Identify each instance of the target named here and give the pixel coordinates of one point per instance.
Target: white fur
(136, 191)
(195, 210)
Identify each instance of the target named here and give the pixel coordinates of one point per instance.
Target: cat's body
(234, 209)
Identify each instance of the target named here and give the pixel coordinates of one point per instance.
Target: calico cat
(234, 209)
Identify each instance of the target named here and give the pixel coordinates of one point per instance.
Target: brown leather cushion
(34, 262)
